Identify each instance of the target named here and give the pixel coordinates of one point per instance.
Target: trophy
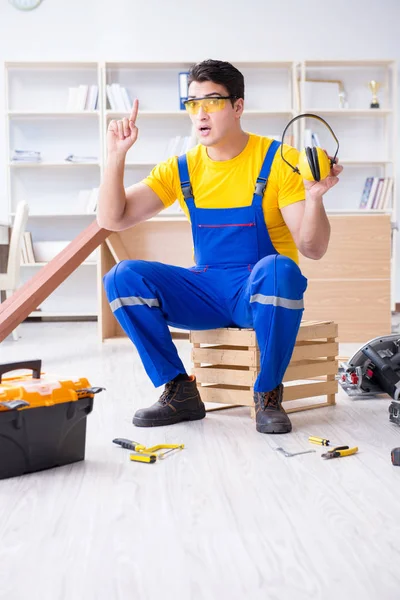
(374, 87)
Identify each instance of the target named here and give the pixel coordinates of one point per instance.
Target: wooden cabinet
(349, 285)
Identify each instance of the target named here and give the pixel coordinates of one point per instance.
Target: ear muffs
(313, 163)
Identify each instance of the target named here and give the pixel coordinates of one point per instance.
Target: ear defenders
(313, 163)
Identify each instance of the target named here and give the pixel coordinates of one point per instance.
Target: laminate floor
(226, 518)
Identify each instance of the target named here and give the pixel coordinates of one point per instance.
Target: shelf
(41, 114)
(75, 66)
(113, 114)
(143, 163)
(43, 264)
(350, 112)
(58, 216)
(31, 165)
(171, 218)
(175, 113)
(358, 211)
(185, 64)
(347, 63)
(348, 161)
(39, 313)
(268, 113)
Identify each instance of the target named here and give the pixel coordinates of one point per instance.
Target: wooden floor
(226, 518)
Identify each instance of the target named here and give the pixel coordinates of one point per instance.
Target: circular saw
(374, 369)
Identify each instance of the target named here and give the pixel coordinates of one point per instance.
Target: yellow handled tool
(318, 440)
(144, 454)
(339, 451)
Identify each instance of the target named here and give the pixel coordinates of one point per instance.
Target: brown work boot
(180, 401)
(270, 416)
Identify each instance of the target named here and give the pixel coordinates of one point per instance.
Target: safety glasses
(209, 104)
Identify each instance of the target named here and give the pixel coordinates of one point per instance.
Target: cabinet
(367, 135)
(42, 117)
(39, 117)
(349, 285)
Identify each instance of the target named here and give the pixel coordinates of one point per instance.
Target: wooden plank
(167, 241)
(226, 395)
(318, 330)
(310, 369)
(217, 356)
(361, 308)
(48, 278)
(314, 350)
(232, 336)
(251, 357)
(331, 378)
(350, 254)
(227, 336)
(117, 248)
(307, 407)
(225, 375)
(309, 390)
(110, 326)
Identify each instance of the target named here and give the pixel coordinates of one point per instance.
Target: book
(375, 199)
(366, 192)
(29, 247)
(183, 88)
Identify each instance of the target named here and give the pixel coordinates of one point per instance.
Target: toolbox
(42, 419)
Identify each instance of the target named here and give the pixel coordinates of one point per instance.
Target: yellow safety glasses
(209, 105)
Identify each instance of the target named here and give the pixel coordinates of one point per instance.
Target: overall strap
(262, 179)
(185, 180)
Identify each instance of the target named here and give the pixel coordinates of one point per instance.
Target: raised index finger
(135, 108)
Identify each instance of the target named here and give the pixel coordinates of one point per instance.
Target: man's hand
(121, 135)
(319, 188)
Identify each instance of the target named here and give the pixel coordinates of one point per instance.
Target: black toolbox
(42, 419)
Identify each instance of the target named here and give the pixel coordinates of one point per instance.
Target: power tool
(374, 370)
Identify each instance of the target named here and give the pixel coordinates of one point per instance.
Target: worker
(250, 214)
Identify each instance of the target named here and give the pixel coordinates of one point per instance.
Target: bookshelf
(39, 117)
(367, 135)
(48, 111)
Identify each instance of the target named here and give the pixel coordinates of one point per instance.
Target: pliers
(339, 451)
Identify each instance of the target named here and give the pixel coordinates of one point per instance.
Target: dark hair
(219, 72)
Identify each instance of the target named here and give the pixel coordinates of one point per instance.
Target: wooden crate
(226, 364)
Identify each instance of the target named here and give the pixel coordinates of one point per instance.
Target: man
(249, 213)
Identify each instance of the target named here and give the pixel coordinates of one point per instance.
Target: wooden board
(349, 304)
(359, 248)
(48, 278)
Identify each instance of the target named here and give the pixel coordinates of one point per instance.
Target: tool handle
(128, 444)
(34, 365)
(395, 456)
(146, 458)
(318, 440)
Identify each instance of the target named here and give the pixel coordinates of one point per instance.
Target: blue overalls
(239, 281)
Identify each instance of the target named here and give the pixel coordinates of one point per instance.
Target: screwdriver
(320, 441)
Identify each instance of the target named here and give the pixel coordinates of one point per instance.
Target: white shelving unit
(367, 135)
(39, 118)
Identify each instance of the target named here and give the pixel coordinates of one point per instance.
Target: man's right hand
(122, 134)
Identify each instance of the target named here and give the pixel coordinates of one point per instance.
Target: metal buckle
(261, 184)
(187, 190)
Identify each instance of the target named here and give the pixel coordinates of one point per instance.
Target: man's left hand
(319, 188)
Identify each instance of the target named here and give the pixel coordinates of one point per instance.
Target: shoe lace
(269, 399)
(167, 393)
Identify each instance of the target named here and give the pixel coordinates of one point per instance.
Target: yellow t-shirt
(230, 184)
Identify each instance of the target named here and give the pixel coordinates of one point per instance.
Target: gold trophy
(374, 87)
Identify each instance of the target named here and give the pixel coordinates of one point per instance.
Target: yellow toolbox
(42, 419)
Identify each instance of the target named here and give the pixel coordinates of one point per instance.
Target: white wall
(189, 30)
